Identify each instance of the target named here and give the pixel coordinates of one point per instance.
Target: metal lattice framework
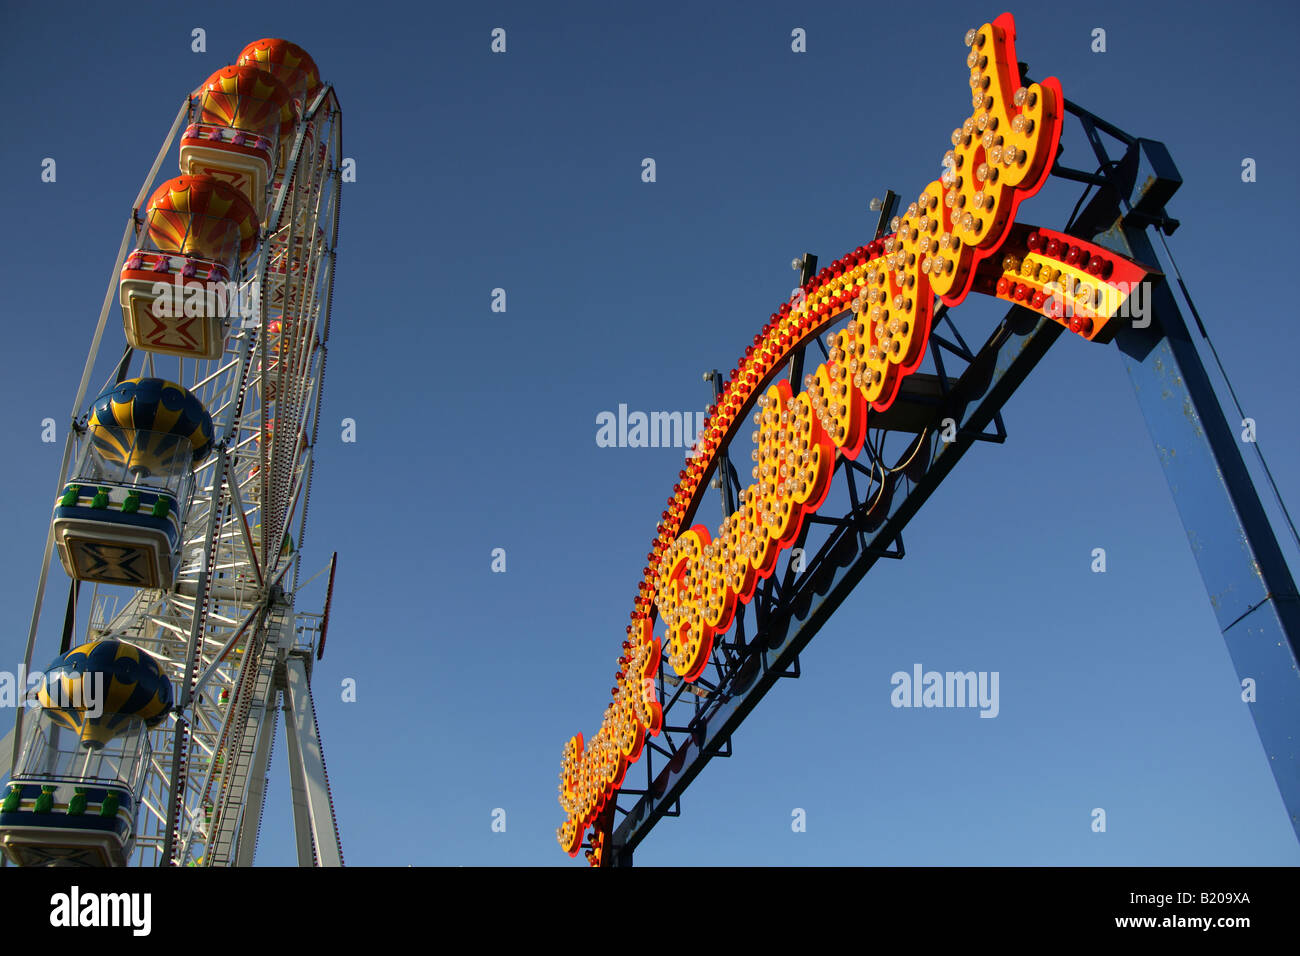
(904, 458)
(226, 633)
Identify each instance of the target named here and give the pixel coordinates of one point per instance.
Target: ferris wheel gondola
(179, 287)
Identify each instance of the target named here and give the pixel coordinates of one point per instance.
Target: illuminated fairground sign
(958, 236)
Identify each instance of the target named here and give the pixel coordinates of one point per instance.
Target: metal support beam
(887, 208)
(1249, 584)
(313, 810)
(724, 470)
(1246, 576)
(256, 793)
(298, 791)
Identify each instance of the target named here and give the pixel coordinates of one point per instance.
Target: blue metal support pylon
(1246, 576)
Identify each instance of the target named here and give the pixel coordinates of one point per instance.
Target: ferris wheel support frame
(313, 809)
(246, 845)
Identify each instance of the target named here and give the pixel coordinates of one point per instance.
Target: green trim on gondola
(155, 523)
(109, 807)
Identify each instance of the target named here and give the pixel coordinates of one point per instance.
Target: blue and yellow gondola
(95, 690)
(119, 520)
(60, 808)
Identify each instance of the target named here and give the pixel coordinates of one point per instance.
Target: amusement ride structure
(182, 504)
(847, 451)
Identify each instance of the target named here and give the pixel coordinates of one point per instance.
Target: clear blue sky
(476, 430)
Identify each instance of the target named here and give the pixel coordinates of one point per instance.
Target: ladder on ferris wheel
(282, 667)
(247, 732)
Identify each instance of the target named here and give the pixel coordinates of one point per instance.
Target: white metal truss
(226, 633)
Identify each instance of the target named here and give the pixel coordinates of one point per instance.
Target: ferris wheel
(182, 503)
